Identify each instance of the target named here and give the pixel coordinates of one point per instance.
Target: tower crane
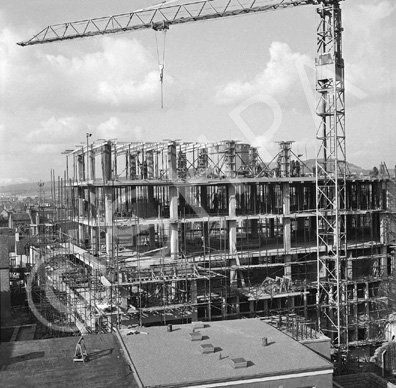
(331, 296)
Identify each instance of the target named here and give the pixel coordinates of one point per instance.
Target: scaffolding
(184, 243)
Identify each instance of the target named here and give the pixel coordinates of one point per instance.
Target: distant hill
(29, 189)
(353, 169)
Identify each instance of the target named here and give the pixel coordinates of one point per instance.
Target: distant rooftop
(180, 358)
(20, 217)
(49, 364)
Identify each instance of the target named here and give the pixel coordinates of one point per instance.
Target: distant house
(3, 218)
(19, 221)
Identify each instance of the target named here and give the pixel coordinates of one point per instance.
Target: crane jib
(161, 17)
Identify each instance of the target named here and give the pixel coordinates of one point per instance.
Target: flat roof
(163, 358)
(49, 363)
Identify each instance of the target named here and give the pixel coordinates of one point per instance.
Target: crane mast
(332, 268)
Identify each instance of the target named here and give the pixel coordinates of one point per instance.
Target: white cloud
(277, 79)
(368, 36)
(114, 128)
(122, 73)
(117, 74)
(54, 131)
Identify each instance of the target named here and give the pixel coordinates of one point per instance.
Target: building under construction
(158, 233)
(152, 233)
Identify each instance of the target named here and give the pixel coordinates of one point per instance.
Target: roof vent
(196, 336)
(198, 325)
(238, 363)
(207, 348)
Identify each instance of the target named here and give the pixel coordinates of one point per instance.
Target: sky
(247, 78)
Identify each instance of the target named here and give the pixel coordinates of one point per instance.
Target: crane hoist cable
(161, 60)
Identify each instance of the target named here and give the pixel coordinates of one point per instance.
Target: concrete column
(132, 167)
(367, 297)
(251, 308)
(106, 162)
(150, 192)
(109, 219)
(182, 207)
(194, 296)
(384, 235)
(305, 303)
(286, 216)
(80, 214)
(173, 227)
(81, 171)
(150, 164)
(92, 203)
(95, 239)
(288, 261)
(349, 269)
(127, 165)
(232, 223)
(173, 205)
(384, 262)
(232, 226)
(92, 165)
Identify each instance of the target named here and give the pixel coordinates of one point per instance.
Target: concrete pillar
(106, 162)
(92, 203)
(5, 293)
(182, 212)
(367, 297)
(251, 308)
(92, 165)
(127, 164)
(305, 303)
(232, 224)
(132, 167)
(287, 270)
(384, 235)
(95, 239)
(384, 262)
(232, 237)
(173, 202)
(108, 193)
(349, 269)
(150, 192)
(205, 236)
(80, 214)
(150, 164)
(81, 170)
(286, 216)
(194, 301)
(173, 227)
